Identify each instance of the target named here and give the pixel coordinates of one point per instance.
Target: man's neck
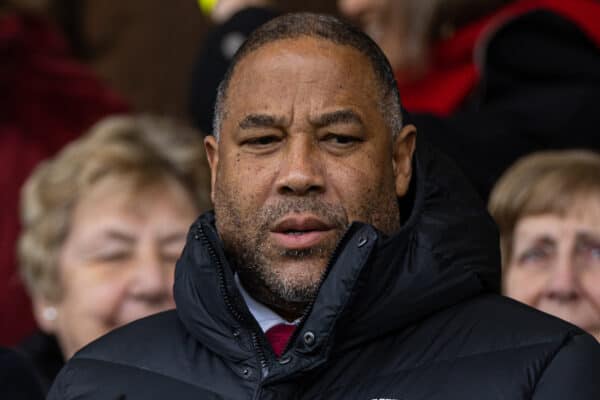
(289, 312)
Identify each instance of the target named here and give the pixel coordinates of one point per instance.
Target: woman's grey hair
(546, 182)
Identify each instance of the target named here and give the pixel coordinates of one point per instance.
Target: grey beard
(251, 253)
(260, 275)
(245, 238)
(281, 289)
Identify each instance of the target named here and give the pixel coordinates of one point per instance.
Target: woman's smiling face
(117, 261)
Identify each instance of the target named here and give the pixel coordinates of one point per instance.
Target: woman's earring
(50, 313)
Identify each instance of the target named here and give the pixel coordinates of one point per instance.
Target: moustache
(333, 215)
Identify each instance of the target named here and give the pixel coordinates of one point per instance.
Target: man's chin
(298, 272)
(290, 280)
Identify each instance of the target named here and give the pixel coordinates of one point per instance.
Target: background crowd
(97, 102)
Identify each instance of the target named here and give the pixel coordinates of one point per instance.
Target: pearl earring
(49, 313)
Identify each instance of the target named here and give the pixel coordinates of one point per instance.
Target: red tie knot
(278, 336)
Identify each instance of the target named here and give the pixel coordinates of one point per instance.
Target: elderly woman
(547, 207)
(103, 224)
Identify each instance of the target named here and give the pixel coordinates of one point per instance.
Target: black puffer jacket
(413, 316)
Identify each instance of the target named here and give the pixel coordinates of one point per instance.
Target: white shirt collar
(265, 317)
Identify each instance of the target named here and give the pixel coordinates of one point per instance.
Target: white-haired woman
(103, 225)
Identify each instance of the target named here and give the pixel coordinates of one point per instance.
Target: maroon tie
(278, 336)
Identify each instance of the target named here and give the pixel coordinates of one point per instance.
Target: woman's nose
(563, 281)
(150, 282)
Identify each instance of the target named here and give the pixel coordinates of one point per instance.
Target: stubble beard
(288, 279)
(273, 275)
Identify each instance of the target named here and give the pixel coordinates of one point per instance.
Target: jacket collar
(445, 252)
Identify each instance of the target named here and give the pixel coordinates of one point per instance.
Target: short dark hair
(295, 25)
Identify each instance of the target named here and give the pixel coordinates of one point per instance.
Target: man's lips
(300, 232)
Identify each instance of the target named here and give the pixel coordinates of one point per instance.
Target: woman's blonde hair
(548, 182)
(144, 149)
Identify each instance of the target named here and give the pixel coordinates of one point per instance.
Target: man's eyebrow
(337, 117)
(259, 121)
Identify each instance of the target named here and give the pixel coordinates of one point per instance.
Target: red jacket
(46, 99)
(454, 72)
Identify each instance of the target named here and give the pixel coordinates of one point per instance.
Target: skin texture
(555, 265)
(303, 152)
(116, 264)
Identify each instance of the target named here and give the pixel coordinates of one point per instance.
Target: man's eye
(261, 141)
(341, 140)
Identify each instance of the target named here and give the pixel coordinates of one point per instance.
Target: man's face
(304, 151)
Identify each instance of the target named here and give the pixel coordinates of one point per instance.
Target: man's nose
(300, 171)
(563, 282)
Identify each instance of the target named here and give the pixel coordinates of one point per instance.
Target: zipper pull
(265, 372)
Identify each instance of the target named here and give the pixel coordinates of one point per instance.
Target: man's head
(326, 28)
(310, 139)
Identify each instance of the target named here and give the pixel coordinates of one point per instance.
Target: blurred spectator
(399, 28)
(17, 379)
(548, 209)
(488, 81)
(504, 83)
(410, 31)
(234, 19)
(46, 99)
(103, 224)
(143, 48)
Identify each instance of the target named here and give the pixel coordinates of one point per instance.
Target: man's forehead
(305, 72)
(304, 48)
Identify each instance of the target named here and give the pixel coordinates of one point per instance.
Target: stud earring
(49, 313)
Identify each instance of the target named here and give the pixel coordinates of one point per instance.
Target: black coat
(17, 378)
(412, 316)
(43, 353)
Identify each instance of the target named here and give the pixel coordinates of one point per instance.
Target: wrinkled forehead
(291, 75)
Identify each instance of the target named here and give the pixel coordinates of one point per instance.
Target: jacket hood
(446, 251)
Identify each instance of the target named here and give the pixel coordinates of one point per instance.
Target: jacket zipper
(230, 306)
(334, 255)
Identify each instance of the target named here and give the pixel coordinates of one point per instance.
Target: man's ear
(404, 148)
(212, 154)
